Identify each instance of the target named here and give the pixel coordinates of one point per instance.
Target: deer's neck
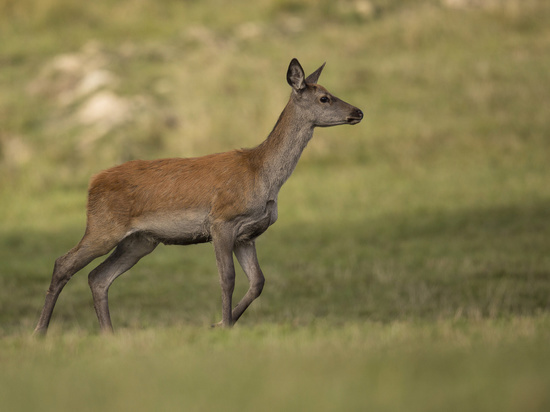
(283, 147)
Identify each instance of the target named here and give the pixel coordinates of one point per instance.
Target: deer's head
(315, 102)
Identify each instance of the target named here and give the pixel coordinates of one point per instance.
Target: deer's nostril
(355, 116)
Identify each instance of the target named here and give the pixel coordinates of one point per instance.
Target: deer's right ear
(295, 75)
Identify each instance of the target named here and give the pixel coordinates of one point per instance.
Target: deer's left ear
(295, 75)
(313, 77)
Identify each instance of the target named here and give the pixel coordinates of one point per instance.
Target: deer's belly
(190, 227)
(184, 228)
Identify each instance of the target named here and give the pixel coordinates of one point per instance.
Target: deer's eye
(324, 99)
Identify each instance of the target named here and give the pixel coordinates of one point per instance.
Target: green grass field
(409, 269)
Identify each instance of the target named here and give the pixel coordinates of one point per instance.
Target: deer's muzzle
(355, 117)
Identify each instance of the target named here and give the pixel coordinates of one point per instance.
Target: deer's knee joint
(61, 267)
(96, 281)
(61, 275)
(257, 286)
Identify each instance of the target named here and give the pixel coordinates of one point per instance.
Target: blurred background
(441, 192)
(411, 250)
(84, 86)
(445, 180)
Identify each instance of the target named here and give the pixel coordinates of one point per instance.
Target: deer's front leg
(246, 255)
(223, 241)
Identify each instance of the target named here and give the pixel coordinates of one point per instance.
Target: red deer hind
(228, 199)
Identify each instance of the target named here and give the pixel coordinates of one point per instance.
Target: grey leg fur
(65, 267)
(246, 255)
(223, 241)
(127, 254)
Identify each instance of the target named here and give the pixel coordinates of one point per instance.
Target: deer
(228, 199)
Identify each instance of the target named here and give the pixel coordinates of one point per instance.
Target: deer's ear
(295, 75)
(313, 77)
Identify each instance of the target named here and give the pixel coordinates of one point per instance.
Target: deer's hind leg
(89, 248)
(128, 252)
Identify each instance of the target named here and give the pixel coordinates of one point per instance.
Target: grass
(409, 267)
(420, 366)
